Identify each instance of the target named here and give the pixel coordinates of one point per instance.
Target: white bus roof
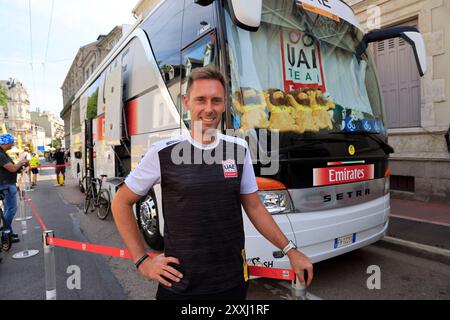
(328, 8)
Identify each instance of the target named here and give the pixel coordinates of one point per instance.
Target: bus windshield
(299, 73)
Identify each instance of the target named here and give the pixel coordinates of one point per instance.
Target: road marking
(421, 220)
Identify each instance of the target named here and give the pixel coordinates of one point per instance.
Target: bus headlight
(277, 201)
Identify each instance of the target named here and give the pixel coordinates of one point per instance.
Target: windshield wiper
(387, 148)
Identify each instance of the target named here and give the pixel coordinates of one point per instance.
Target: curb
(417, 249)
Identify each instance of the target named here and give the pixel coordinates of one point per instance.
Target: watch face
(289, 246)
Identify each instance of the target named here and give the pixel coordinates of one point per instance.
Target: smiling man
(204, 255)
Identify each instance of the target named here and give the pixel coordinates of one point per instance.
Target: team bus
(300, 71)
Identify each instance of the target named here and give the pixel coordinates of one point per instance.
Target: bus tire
(147, 215)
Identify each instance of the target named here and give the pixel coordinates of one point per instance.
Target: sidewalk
(428, 212)
(425, 223)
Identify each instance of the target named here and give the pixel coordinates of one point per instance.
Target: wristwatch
(288, 247)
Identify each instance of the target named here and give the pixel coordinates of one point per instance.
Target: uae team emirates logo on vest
(229, 168)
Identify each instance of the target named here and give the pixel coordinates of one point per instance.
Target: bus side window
(197, 21)
(75, 117)
(164, 30)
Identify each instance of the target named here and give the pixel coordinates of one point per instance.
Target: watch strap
(288, 247)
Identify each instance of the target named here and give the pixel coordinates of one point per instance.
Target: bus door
(201, 53)
(89, 149)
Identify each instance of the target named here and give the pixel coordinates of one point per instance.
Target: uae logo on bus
(229, 168)
(301, 61)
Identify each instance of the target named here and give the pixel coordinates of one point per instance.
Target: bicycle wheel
(88, 200)
(5, 238)
(82, 184)
(103, 204)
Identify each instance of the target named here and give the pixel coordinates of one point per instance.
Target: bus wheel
(149, 223)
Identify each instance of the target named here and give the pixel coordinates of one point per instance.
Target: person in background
(34, 163)
(68, 156)
(8, 179)
(26, 171)
(60, 165)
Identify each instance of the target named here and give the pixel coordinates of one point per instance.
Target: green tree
(3, 96)
(56, 143)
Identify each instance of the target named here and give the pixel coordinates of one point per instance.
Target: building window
(402, 183)
(400, 82)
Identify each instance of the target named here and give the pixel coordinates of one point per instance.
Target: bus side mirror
(410, 34)
(246, 14)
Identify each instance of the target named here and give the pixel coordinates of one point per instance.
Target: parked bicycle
(97, 198)
(83, 182)
(5, 234)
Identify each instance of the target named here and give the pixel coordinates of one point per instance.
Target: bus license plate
(344, 241)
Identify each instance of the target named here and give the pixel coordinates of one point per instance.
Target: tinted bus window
(197, 21)
(76, 122)
(200, 54)
(91, 111)
(163, 28)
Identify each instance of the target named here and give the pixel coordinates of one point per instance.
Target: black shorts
(60, 170)
(35, 170)
(236, 293)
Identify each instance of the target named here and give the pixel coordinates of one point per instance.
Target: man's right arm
(154, 268)
(122, 209)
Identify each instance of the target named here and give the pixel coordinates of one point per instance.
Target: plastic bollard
(49, 263)
(298, 291)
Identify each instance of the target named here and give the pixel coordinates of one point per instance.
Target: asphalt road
(402, 276)
(345, 277)
(425, 233)
(25, 279)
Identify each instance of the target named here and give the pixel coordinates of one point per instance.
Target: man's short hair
(209, 72)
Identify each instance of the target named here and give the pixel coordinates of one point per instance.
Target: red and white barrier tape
(52, 166)
(272, 273)
(35, 213)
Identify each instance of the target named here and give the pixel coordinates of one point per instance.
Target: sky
(40, 57)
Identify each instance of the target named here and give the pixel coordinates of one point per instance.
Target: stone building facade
(86, 61)
(420, 166)
(37, 128)
(52, 125)
(143, 8)
(16, 115)
(38, 137)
